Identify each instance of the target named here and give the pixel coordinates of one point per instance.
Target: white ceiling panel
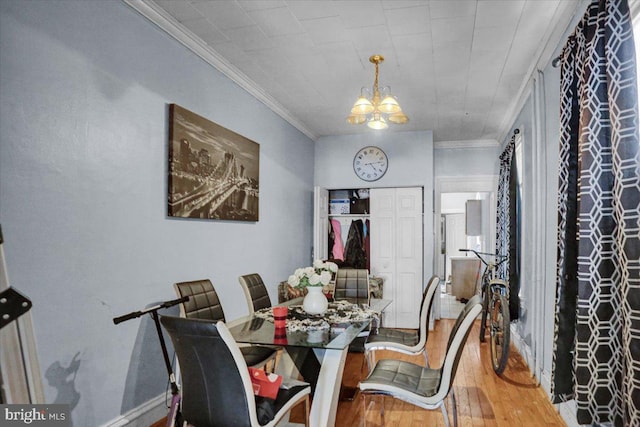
(452, 30)
(452, 8)
(457, 67)
(276, 22)
(223, 14)
(360, 13)
(325, 30)
(409, 20)
(498, 13)
(261, 4)
(311, 9)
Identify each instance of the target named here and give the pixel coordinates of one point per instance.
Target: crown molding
(473, 143)
(168, 24)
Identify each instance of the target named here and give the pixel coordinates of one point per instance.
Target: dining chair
(255, 291)
(422, 386)
(216, 385)
(352, 284)
(203, 303)
(405, 341)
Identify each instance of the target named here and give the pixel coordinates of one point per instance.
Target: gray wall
(410, 157)
(540, 130)
(466, 161)
(85, 88)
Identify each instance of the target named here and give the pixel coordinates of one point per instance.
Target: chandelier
(377, 108)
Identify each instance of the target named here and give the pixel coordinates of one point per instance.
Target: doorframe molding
(461, 184)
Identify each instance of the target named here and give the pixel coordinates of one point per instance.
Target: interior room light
(377, 108)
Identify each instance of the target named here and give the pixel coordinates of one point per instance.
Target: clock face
(370, 163)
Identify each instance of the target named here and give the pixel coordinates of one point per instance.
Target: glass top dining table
(315, 347)
(335, 329)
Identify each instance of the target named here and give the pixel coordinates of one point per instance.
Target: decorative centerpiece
(314, 279)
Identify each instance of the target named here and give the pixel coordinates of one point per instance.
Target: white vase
(315, 302)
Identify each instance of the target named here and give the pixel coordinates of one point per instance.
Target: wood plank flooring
(483, 398)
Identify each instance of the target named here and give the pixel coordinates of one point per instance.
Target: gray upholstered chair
(421, 386)
(255, 291)
(404, 341)
(204, 304)
(352, 284)
(216, 386)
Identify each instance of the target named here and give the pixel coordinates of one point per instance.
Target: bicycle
(495, 305)
(174, 418)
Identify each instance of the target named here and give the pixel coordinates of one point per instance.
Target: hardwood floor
(483, 398)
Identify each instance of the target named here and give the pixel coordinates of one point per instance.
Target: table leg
(325, 401)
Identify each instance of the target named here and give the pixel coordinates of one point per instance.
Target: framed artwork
(213, 172)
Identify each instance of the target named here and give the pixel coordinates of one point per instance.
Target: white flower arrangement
(319, 274)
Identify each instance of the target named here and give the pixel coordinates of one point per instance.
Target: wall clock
(370, 163)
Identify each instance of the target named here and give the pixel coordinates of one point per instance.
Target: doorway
(461, 225)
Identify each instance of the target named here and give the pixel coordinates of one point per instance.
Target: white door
(320, 223)
(382, 245)
(396, 251)
(455, 239)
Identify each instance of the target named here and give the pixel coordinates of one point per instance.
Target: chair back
(203, 300)
(455, 345)
(255, 291)
(215, 380)
(425, 308)
(352, 284)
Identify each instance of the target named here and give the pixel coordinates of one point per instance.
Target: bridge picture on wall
(213, 171)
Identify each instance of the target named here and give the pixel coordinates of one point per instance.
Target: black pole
(154, 314)
(165, 353)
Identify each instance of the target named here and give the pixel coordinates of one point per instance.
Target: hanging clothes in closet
(335, 240)
(367, 243)
(355, 255)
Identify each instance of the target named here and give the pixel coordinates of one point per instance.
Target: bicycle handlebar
(502, 258)
(139, 313)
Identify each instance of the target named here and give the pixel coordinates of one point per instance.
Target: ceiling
(458, 68)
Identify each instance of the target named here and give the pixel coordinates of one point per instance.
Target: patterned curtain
(507, 224)
(596, 355)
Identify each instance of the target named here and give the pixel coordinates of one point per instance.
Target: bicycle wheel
(500, 333)
(485, 309)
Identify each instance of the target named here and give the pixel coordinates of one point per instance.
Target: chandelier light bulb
(356, 119)
(362, 106)
(398, 118)
(390, 105)
(377, 122)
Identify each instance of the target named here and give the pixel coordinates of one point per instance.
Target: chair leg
(443, 408)
(454, 409)
(368, 355)
(364, 409)
(306, 411)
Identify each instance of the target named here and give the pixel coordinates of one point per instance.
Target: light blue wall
(410, 157)
(540, 189)
(466, 161)
(552, 137)
(84, 94)
(524, 123)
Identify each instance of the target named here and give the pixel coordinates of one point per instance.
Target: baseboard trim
(568, 413)
(567, 410)
(143, 415)
(523, 348)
